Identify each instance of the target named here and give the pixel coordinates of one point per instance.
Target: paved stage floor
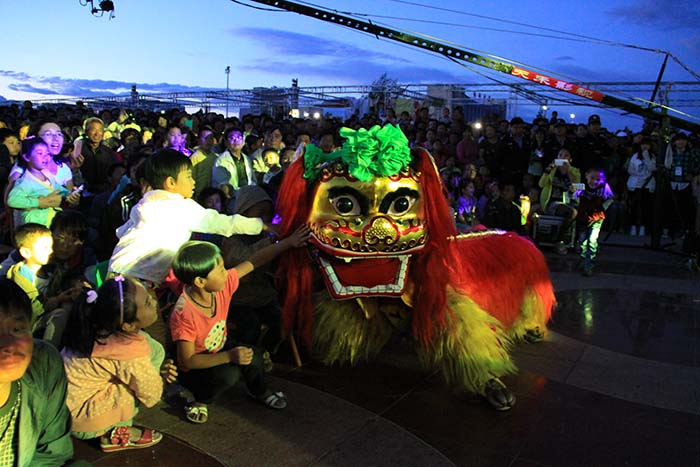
(616, 383)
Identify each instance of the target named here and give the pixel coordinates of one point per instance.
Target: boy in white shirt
(165, 218)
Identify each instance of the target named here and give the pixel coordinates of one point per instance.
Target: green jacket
(29, 288)
(546, 184)
(44, 420)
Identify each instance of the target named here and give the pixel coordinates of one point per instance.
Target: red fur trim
(429, 296)
(297, 274)
(296, 269)
(498, 270)
(293, 203)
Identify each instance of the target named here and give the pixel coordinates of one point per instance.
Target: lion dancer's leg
(535, 311)
(472, 352)
(509, 278)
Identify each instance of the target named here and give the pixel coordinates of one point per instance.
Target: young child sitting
(72, 253)
(208, 363)
(165, 218)
(593, 201)
(32, 390)
(111, 365)
(36, 194)
(35, 246)
(465, 205)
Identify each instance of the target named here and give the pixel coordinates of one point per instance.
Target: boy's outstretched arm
(267, 254)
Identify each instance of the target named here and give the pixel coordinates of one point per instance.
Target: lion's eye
(400, 205)
(346, 205)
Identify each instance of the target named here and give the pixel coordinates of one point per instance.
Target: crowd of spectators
(71, 178)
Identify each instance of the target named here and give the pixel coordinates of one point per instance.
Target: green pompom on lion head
(377, 152)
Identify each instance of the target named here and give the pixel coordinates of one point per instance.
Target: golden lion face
(365, 232)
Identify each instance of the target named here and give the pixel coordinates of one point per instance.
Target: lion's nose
(381, 230)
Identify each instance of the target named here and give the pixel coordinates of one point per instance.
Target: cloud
(15, 75)
(333, 60)
(673, 14)
(353, 69)
(78, 87)
(20, 87)
(336, 61)
(294, 44)
(357, 70)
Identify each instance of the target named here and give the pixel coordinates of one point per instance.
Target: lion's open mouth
(364, 277)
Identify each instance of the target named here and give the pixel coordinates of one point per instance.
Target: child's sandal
(120, 439)
(197, 412)
(274, 400)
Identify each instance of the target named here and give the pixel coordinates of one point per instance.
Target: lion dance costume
(385, 244)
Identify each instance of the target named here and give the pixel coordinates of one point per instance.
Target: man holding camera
(557, 184)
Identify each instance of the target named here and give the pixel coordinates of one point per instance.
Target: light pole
(228, 72)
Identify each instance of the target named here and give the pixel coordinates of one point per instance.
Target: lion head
(364, 232)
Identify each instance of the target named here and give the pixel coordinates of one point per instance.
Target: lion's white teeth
(351, 291)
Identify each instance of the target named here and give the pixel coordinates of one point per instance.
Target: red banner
(557, 84)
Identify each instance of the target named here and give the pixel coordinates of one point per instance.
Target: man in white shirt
(232, 168)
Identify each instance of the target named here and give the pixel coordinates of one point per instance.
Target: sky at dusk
(55, 49)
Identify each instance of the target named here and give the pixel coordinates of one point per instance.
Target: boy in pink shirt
(208, 363)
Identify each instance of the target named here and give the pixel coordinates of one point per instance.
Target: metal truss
(677, 94)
